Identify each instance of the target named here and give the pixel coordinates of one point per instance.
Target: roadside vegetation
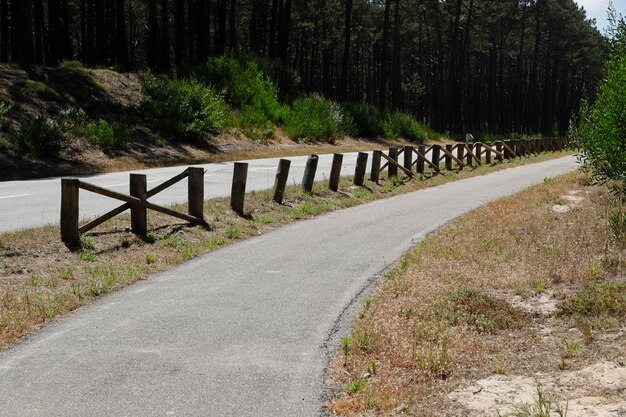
(42, 279)
(227, 95)
(518, 290)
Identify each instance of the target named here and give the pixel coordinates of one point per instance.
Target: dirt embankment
(114, 97)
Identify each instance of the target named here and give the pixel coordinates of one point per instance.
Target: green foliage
(366, 119)
(255, 124)
(468, 307)
(597, 300)
(243, 84)
(182, 107)
(39, 137)
(403, 125)
(106, 135)
(601, 131)
(355, 386)
(314, 118)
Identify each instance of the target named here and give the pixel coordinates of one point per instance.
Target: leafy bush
(314, 119)
(106, 135)
(38, 137)
(255, 125)
(601, 132)
(403, 125)
(366, 118)
(243, 84)
(182, 107)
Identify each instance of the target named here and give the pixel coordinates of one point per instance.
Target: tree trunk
(382, 98)
(345, 64)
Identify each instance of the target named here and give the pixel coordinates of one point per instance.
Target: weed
(188, 251)
(173, 240)
(539, 286)
(233, 232)
(363, 338)
(34, 281)
(548, 180)
(355, 386)
(499, 367)
(346, 343)
(266, 219)
(597, 303)
(87, 256)
(468, 307)
(101, 279)
(67, 273)
(435, 361)
(214, 242)
(105, 134)
(543, 407)
(616, 220)
(151, 258)
(86, 243)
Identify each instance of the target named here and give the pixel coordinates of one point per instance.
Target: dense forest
(459, 65)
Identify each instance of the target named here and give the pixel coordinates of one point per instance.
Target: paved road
(33, 203)
(238, 332)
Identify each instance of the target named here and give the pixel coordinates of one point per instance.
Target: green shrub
(243, 84)
(182, 107)
(39, 137)
(601, 131)
(403, 125)
(366, 119)
(106, 135)
(597, 300)
(314, 119)
(255, 125)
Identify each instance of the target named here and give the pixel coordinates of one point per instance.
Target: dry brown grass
(443, 315)
(40, 279)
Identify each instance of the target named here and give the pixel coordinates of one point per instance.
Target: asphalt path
(32, 203)
(242, 331)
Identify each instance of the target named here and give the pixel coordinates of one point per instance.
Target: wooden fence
(415, 160)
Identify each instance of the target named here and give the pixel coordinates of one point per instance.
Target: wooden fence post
(195, 192)
(139, 215)
(335, 172)
(309, 173)
(282, 173)
(238, 190)
(436, 155)
(69, 212)
(447, 157)
(507, 154)
(375, 173)
(420, 161)
(478, 152)
(469, 161)
(488, 154)
(392, 170)
(408, 157)
(499, 149)
(361, 167)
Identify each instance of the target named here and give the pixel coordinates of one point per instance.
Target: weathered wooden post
(335, 172)
(309, 173)
(361, 167)
(420, 159)
(448, 159)
(488, 154)
(282, 173)
(460, 150)
(392, 170)
(507, 154)
(499, 149)
(375, 173)
(195, 192)
(478, 152)
(238, 190)
(408, 157)
(469, 161)
(436, 155)
(69, 212)
(139, 215)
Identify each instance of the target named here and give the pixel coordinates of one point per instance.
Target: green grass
(601, 304)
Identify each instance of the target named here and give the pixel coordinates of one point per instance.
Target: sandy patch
(597, 390)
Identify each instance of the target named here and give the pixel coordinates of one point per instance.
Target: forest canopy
(498, 66)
